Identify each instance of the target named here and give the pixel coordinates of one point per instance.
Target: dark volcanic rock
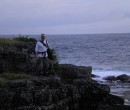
(110, 78)
(114, 100)
(51, 94)
(17, 57)
(123, 77)
(69, 71)
(114, 107)
(1, 67)
(94, 76)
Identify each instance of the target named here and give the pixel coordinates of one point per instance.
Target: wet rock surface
(122, 78)
(120, 86)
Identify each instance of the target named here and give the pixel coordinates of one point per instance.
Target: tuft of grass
(17, 40)
(13, 76)
(8, 41)
(25, 39)
(57, 68)
(3, 82)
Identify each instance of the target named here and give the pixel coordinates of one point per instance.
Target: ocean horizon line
(64, 34)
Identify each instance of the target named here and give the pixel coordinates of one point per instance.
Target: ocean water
(108, 54)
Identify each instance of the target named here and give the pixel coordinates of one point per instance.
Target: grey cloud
(52, 14)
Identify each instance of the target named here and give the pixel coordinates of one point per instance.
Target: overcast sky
(64, 16)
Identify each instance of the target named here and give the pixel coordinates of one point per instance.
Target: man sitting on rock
(41, 55)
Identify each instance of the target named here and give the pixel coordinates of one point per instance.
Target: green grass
(13, 76)
(18, 39)
(8, 41)
(5, 78)
(25, 39)
(3, 82)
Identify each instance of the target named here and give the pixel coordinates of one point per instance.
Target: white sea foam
(105, 73)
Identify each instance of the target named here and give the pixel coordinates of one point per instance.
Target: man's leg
(39, 66)
(45, 65)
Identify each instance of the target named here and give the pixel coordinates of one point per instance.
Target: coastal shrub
(53, 55)
(25, 39)
(13, 76)
(55, 60)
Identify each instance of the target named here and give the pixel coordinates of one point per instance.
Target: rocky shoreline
(119, 86)
(72, 88)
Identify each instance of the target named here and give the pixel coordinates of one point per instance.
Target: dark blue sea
(108, 54)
